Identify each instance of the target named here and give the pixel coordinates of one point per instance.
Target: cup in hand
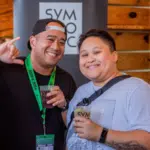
(44, 89)
(83, 111)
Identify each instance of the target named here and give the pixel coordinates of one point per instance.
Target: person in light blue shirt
(120, 117)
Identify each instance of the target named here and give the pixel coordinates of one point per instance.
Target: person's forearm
(131, 140)
(64, 117)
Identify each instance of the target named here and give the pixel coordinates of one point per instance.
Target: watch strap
(103, 135)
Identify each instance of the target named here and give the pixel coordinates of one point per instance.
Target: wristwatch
(103, 135)
(65, 107)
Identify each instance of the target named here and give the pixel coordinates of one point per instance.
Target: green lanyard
(35, 86)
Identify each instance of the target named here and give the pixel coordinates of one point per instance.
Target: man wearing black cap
(26, 123)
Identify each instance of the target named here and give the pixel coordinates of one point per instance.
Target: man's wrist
(65, 107)
(103, 136)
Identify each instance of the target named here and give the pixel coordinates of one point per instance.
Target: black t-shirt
(20, 116)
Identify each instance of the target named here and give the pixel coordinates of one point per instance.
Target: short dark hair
(40, 26)
(104, 35)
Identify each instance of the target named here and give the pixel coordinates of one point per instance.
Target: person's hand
(8, 52)
(56, 97)
(87, 129)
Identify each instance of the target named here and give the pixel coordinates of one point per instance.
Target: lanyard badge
(45, 142)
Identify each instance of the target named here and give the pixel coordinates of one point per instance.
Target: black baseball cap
(40, 26)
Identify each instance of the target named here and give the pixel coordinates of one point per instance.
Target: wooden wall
(6, 18)
(128, 23)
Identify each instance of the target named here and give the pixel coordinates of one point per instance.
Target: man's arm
(131, 140)
(64, 117)
(138, 115)
(61, 101)
(127, 140)
(128, 146)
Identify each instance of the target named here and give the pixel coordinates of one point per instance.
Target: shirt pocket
(102, 112)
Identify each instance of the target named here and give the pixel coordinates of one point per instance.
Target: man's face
(96, 60)
(48, 46)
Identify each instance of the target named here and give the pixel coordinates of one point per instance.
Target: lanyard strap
(35, 86)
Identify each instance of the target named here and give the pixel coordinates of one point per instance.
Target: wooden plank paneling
(131, 40)
(130, 2)
(6, 33)
(6, 22)
(143, 75)
(3, 2)
(6, 3)
(120, 17)
(132, 61)
(6, 18)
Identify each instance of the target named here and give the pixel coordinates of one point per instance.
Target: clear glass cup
(44, 89)
(83, 111)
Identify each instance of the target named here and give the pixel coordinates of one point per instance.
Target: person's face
(48, 46)
(96, 61)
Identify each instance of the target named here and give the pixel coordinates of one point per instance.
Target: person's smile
(53, 53)
(92, 66)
